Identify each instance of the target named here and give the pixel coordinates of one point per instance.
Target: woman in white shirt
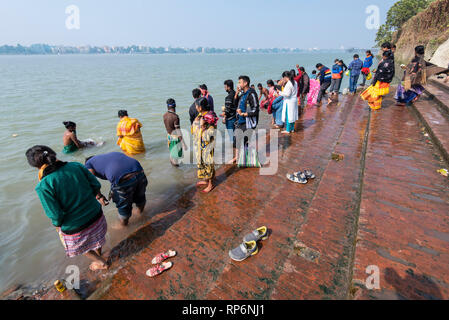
(290, 107)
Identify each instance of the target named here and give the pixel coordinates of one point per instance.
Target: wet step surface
(404, 213)
(435, 121)
(385, 195)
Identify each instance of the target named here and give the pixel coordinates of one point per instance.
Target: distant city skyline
(321, 24)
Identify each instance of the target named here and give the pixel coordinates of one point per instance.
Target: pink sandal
(161, 257)
(157, 270)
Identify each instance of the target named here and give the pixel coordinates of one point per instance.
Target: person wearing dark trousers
(325, 76)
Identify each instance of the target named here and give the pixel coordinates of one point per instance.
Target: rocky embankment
(429, 28)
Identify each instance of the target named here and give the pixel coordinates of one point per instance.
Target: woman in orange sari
(130, 138)
(381, 82)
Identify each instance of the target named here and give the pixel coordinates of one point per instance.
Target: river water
(38, 93)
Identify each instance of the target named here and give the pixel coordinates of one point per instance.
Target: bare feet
(98, 265)
(201, 183)
(208, 189)
(233, 161)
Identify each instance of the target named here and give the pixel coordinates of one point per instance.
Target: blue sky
(193, 23)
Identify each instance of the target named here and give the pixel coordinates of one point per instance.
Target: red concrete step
(440, 83)
(436, 123)
(404, 225)
(215, 223)
(439, 93)
(330, 225)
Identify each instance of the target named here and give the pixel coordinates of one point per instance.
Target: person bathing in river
(174, 135)
(127, 178)
(71, 198)
(129, 135)
(263, 93)
(71, 142)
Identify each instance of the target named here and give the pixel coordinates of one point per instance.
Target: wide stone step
(436, 123)
(439, 93)
(404, 227)
(440, 83)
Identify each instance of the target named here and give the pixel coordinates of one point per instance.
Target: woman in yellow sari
(203, 131)
(130, 138)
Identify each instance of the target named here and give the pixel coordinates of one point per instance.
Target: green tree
(399, 14)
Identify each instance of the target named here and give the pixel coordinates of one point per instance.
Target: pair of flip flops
(301, 177)
(249, 246)
(161, 266)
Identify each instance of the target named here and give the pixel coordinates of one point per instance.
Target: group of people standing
(71, 194)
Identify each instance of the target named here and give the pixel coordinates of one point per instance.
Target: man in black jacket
(304, 87)
(193, 113)
(230, 114)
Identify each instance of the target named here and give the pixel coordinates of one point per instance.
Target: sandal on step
(301, 178)
(307, 173)
(157, 270)
(161, 257)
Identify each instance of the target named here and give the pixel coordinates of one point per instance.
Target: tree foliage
(399, 14)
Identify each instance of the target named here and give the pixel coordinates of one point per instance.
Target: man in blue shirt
(325, 77)
(355, 66)
(127, 178)
(367, 64)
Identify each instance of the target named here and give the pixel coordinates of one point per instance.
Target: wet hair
(246, 79)
(386, 54)
(196, 93)
(69, 124)
(38, 156)
(270, 83)
(319, 65)
(259, 85)
(88, 158)
(230, 84)
(122, 113)
(171, 103)
(386, 45)
(420, 50)
(302, 69)
(290, 75)
(204, 104)
(356, 56)
(203, 86)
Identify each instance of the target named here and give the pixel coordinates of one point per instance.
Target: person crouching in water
(71, 198)
(203, 132)
(174, 135)
(70, 140)
(127, 178)
(129, 135)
